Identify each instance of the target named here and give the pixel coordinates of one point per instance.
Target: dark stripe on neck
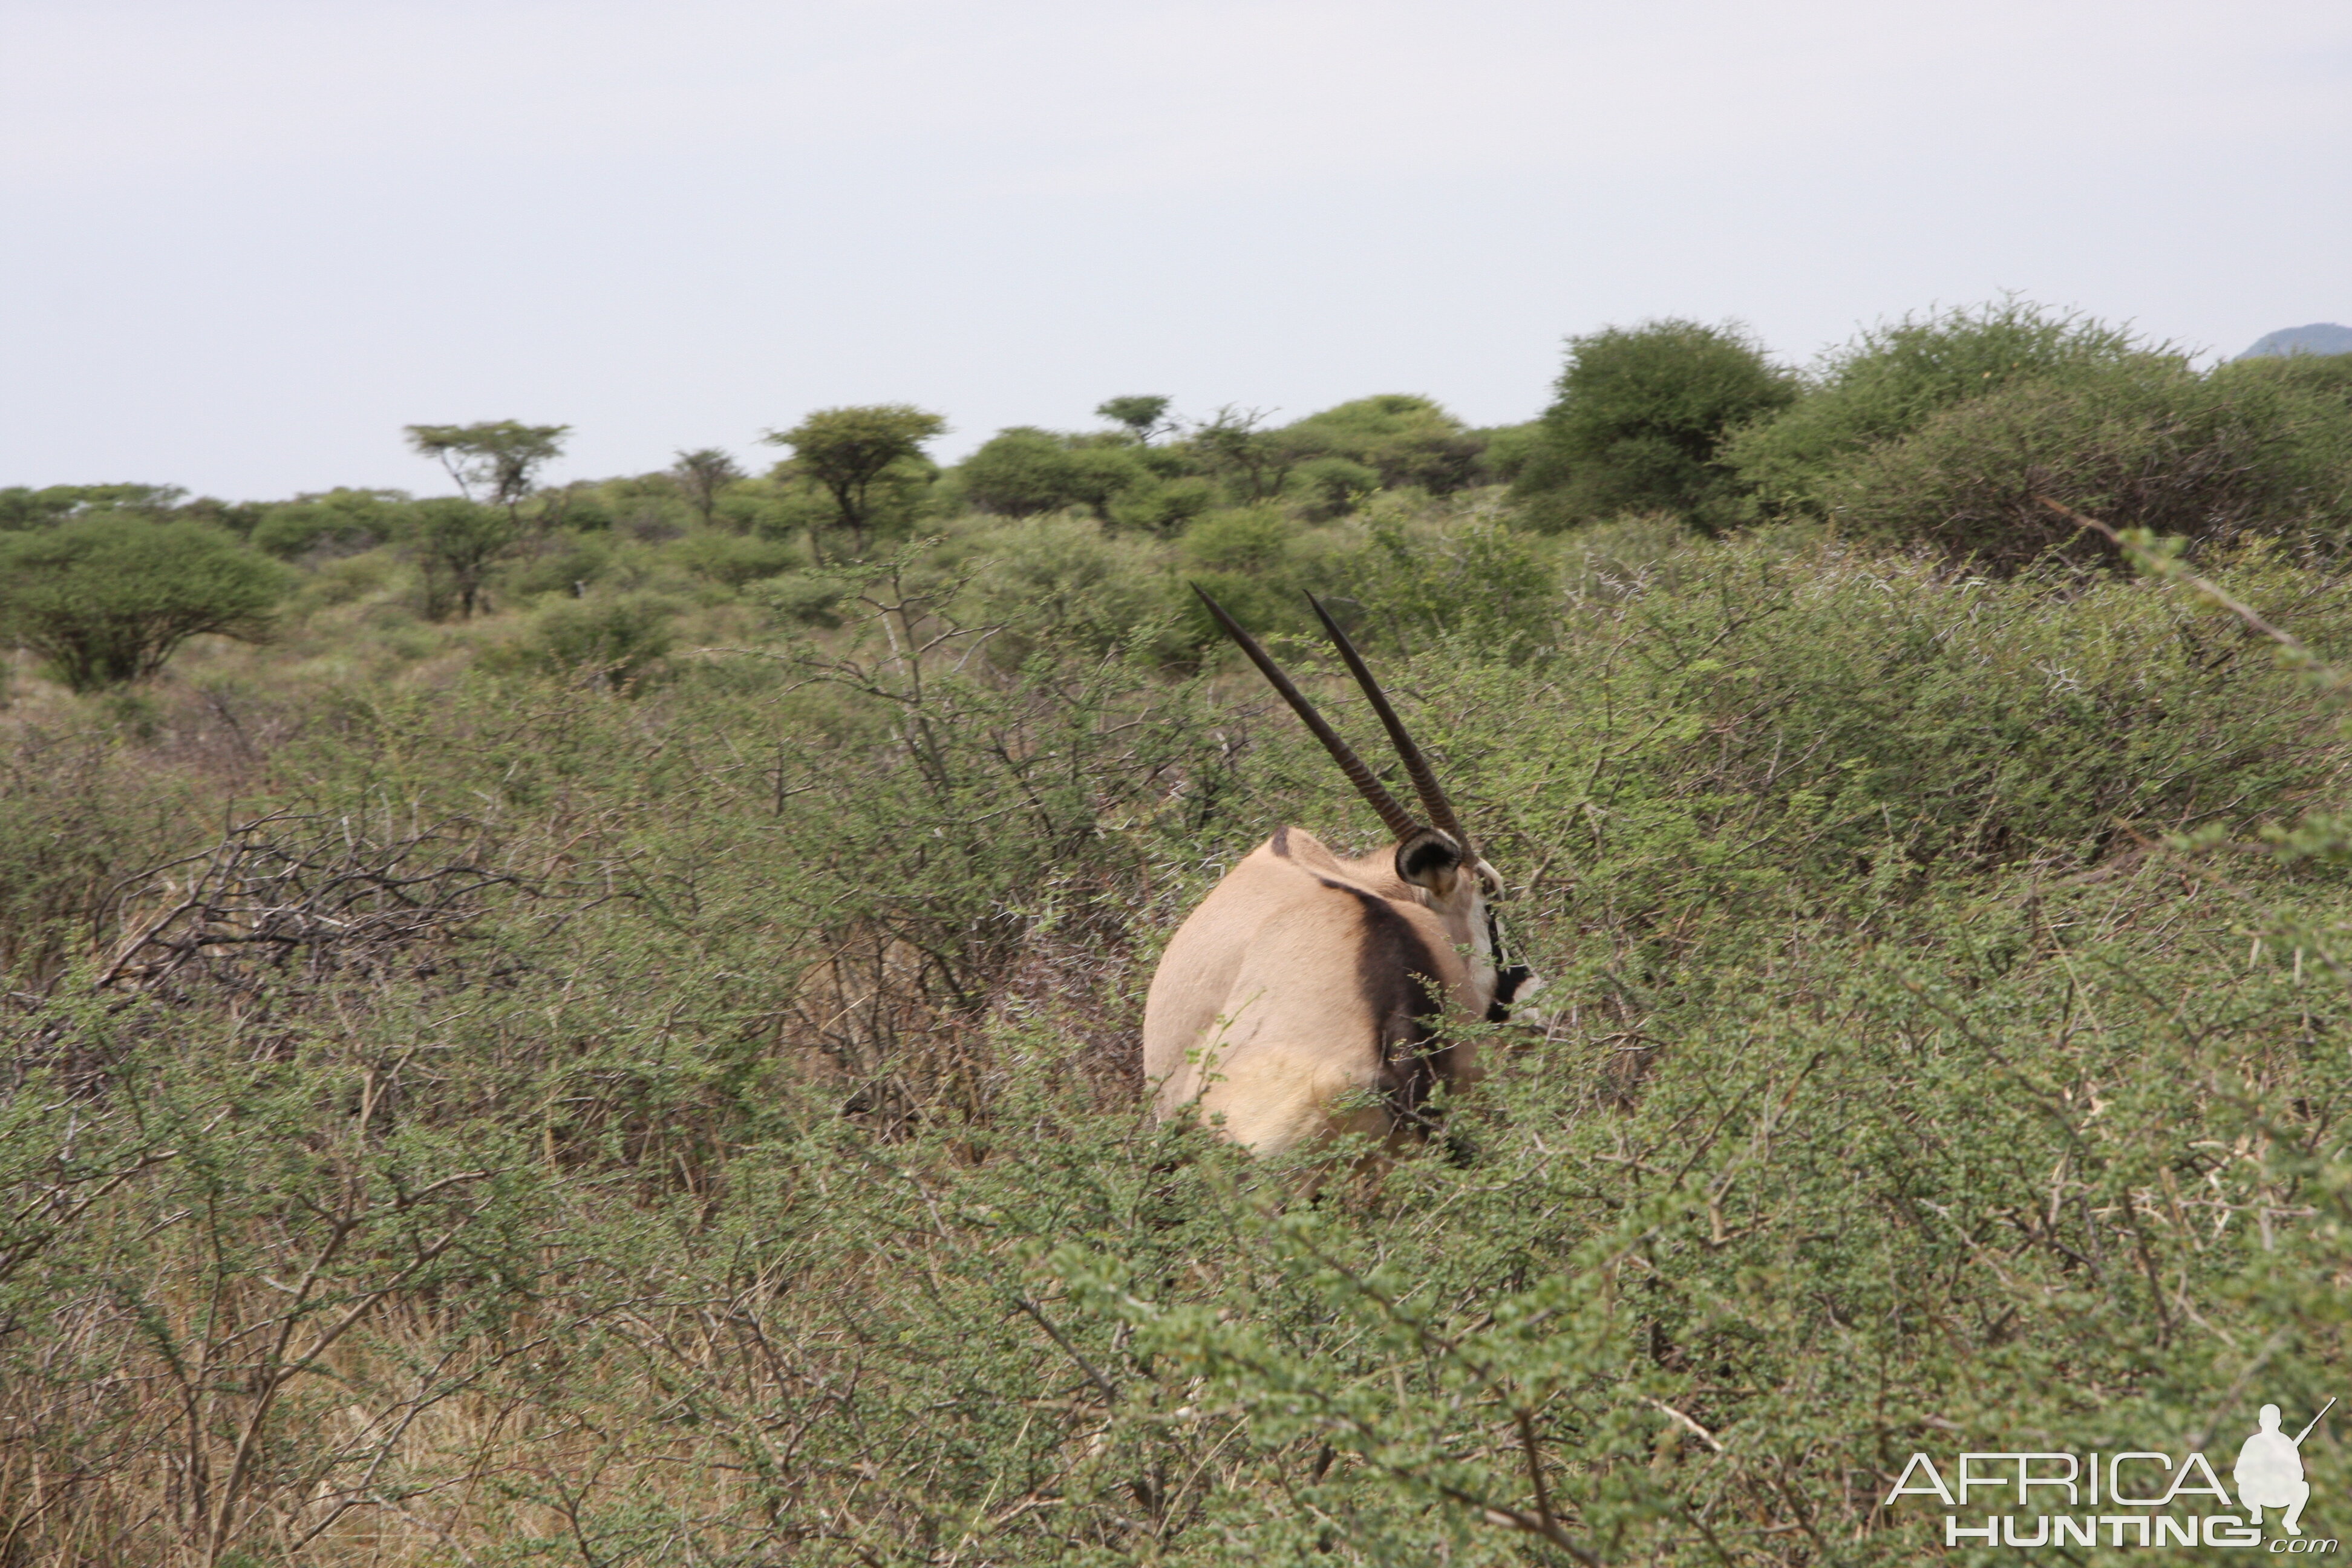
(1509, 976)
(1394, 974)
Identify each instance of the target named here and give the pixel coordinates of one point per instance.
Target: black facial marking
(1394, 971)
(1506, 985)
(1509, 976)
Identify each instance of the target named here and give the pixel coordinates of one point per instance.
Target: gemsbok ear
(1429, 859)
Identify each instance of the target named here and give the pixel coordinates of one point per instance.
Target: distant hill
(2319, 337)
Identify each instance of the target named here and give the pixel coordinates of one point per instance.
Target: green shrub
(1064, 582)
(1165, 507)
(1018, 472)
(1638, 421)
(1247, 540)
(1473, 583)
(771, 508)
(239, 518)
(732, 560)
(2143, 442)
(614, 640)
(1023, 471)
(589, 509)
(649, 507)
(1260, 563)
(1251, 463)
(343, 521)
(563, 563)
(1336, 485)
(707, 1127)
(452, 1118)
(1506, 450)
(109, 598)
(1627, 556)
(78, 813)
(804, 598)
(346, 579)
(1403, 441)
(456, 544)
(24, 507)
(2326, 376)
(1891, 380)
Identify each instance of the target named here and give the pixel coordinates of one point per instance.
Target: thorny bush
(716, 1138)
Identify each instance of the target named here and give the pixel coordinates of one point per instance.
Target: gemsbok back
(1301, 999)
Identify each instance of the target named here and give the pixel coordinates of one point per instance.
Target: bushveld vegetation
(606, 1034)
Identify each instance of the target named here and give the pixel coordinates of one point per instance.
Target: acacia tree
(109, 598)
(703, 474)
(494, 462)
(455, 544)
(1143, 416)
(1254, 461)
(846, 450)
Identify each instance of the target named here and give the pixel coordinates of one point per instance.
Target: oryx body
(1297, 1002)
(1301, 998)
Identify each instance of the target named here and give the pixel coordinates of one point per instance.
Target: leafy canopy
(1143, 416)
(1252, 461)
(705, 475)
(21, 506)
(1401, 438)
(1023, 471)
(2143, 441)
(455, 544)
(1638, 419)
(495, 461)
(1892, 380)
(340, 520)
(109, 598)
(846, 450)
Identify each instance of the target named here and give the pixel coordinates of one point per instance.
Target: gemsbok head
(1302, 998)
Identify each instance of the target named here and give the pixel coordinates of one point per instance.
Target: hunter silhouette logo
(2270, 1470)
(2125, 1496)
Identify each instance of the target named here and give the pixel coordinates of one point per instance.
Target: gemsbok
(1301, 1000)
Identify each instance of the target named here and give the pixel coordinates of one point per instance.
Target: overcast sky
(246, 242)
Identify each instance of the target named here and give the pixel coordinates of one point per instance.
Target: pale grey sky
(247, 240)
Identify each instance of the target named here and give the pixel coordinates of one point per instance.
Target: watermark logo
(2269, 1473)
(2136, 1498)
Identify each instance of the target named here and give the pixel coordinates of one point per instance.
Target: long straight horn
(1416, 766)
(1399, 820)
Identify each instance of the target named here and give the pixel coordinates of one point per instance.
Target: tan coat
(1297, 1001)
